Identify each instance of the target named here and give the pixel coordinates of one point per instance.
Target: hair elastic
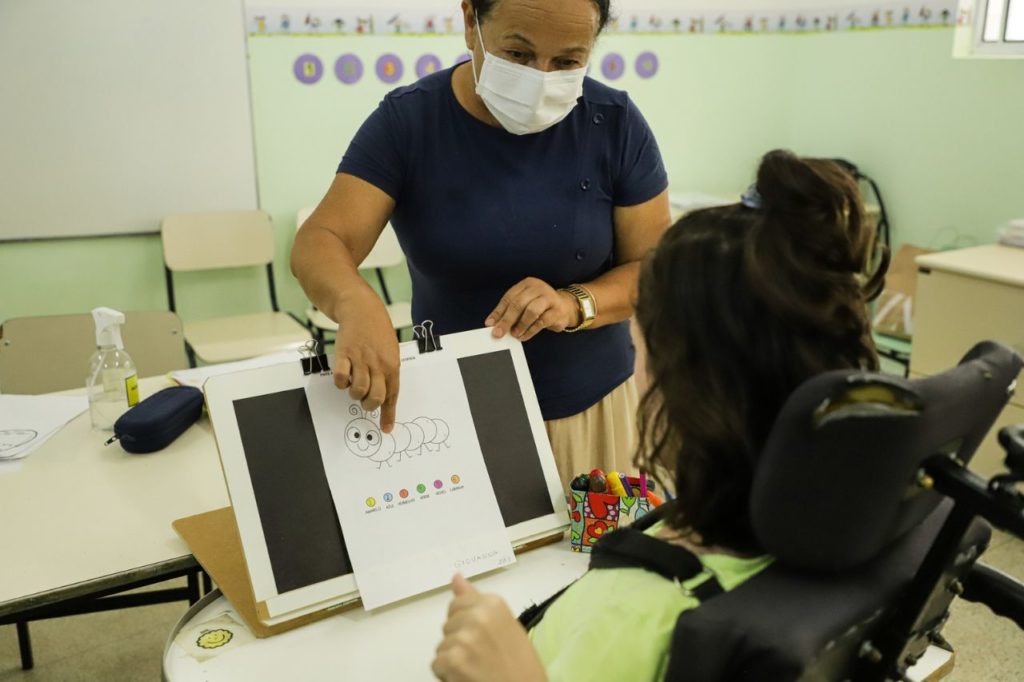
(752, 198)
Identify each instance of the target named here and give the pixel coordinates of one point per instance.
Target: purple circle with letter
(389, 68)
(426, 65)
(308, 68)
(348, 69)
(463, 58)
(613, 66)
(438, 484)
(646, 64)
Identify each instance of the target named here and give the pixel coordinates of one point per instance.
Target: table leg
(25, 646)
(193, 587)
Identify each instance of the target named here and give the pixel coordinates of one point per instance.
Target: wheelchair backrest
(837, 481)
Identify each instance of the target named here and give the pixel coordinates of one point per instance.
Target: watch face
(588, 307)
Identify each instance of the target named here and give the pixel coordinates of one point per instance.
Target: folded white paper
(28, 421)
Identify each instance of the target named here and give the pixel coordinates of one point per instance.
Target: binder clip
(314, 358)
(425, 337)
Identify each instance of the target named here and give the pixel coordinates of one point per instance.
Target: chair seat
(892, 343)
(400, 314)
(224, 339)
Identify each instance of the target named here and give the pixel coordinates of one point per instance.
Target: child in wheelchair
(738, 305)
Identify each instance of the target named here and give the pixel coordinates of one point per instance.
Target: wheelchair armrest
(1002, 593)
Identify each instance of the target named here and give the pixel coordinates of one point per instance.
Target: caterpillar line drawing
(364, 438)
(12, 439)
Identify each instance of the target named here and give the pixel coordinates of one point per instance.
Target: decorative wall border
(280, 20)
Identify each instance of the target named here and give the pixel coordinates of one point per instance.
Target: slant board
(118, 112)
(273, 464)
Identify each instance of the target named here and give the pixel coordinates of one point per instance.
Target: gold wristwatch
(587, 304)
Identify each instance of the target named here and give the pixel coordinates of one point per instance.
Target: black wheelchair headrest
(837, 481)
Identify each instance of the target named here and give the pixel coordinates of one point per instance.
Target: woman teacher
(524, 195)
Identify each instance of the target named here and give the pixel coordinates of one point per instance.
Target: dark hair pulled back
(483, 7)
(739, 305)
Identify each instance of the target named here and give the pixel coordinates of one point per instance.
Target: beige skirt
(602, 437)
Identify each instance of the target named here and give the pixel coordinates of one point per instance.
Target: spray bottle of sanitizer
(112, 384)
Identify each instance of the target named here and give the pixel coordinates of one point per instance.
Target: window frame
(970, 40)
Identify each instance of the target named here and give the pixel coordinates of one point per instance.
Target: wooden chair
(51, 353)
(228, 239)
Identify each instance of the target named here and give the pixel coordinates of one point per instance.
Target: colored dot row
(348, 68)
(613, 65)
(405, 492)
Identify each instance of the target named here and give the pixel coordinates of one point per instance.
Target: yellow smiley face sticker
(214, 639)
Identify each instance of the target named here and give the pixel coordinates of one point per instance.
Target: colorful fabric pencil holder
(593, 515)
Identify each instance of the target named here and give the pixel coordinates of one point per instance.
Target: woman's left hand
(529, 307)
(484, 642)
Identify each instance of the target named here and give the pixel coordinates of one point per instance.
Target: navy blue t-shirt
(479, 209)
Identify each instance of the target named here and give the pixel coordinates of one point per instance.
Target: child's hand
(483, 641)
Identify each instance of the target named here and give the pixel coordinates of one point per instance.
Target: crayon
(581, 483)
(615, 484)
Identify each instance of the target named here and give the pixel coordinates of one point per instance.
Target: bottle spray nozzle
(108, 327)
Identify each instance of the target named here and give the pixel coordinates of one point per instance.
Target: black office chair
(863, 495)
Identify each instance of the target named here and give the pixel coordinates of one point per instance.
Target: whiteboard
(115, 113)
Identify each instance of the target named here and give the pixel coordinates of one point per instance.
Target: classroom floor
(128, 645)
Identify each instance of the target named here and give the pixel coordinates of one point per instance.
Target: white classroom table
(81, 518)
(391, 643)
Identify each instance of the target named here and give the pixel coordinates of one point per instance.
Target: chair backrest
(220, 239)
(837, 480)
(51, 353)
(386, 253)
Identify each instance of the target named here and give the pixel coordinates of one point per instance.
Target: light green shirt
(617, 623)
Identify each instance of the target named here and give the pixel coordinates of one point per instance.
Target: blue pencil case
(155, 422)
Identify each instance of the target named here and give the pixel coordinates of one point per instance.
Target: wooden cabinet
(963, 297)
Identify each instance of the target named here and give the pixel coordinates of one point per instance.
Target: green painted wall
(942, 136)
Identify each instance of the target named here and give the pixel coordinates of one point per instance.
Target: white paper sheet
(28, 421)
(198, 375)
(417, 505)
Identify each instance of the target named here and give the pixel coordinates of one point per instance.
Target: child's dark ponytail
(817, 205)
(810, 248)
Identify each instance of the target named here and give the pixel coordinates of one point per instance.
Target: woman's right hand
(325, 258)
(366, 356)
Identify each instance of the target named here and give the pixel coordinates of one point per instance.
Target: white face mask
(525, 100)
